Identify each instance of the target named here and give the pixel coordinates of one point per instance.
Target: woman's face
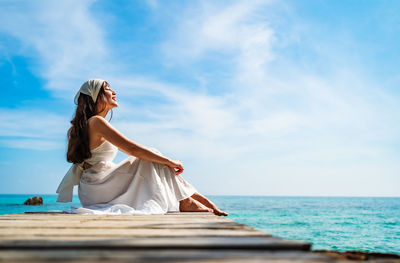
(110, 96)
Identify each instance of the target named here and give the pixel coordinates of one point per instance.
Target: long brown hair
(78, 134)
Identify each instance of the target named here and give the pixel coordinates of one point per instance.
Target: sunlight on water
(337, 223)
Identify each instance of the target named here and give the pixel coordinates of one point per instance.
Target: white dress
(133, 186)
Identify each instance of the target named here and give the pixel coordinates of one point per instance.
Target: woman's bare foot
(191, 205)
(209, 204)
(219, 212)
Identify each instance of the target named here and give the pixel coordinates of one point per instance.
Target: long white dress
(133, 186)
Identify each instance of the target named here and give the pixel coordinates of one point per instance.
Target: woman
(144, 183)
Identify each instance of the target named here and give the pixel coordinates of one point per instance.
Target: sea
(370, 224)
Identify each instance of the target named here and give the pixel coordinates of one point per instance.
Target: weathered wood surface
(174, 237)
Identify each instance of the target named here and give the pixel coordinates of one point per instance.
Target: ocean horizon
(370, 224)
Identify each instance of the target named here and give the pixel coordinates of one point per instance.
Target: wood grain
(173, 237)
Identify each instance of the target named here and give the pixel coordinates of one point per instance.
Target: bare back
(95, 139)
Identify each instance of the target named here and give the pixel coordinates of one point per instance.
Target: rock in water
(36, 200)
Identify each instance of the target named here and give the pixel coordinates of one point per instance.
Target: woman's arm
(98, 126)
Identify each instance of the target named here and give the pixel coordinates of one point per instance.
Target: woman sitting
(144, 183)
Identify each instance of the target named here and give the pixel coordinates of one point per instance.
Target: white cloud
(238, 31)
(31, 123)
(66, 44)
(63, 37)
(152, 3)
(33, 144)
(32, 129)
(286, 112)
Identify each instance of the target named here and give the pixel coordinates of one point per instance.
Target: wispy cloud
(67, 46)
(35, 129)
(271, 108)
(63, 37)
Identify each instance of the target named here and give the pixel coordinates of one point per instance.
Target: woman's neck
(103, 113)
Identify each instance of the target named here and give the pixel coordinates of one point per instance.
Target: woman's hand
(176, 165)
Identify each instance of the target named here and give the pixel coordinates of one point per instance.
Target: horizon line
(327, 196)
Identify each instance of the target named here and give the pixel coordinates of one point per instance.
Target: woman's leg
(191, 205)
(202, 199)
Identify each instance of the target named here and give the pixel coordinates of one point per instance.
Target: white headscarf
(91, 88)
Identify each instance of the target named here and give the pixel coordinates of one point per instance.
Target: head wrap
(91, 88)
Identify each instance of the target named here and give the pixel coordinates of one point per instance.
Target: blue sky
(255, 97)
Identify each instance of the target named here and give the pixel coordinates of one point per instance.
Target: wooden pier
(173, 237)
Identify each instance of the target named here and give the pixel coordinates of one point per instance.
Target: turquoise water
(334, 223)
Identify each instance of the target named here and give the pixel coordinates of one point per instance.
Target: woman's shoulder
(97, 124)
(96, 119)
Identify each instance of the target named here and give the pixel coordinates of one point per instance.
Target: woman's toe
(220, 213)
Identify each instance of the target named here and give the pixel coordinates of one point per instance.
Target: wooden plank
(37, 217)
(198, 256)
(245, 242)
(141, 225)
(116, 223)
(55, 214)
(114, 226)
(109, 217)
(16, 233)
(39, 221)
